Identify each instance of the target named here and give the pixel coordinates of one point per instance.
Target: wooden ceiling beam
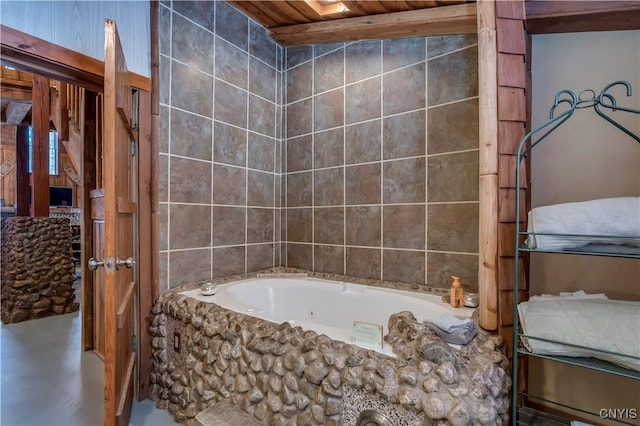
(546, 17)
(445, 20)
(16, 112)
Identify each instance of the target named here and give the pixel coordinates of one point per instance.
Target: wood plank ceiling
(293, 22)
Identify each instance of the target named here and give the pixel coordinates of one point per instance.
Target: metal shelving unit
(604, 101)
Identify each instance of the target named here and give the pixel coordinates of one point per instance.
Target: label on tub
(367, 334)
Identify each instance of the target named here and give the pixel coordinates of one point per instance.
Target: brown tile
(363, 226)
(164, 30)
(441, 266)
(401, 52)
(262, 116)
(277, 191)
(403, 266)
(454, 177)
(299, 153)
(298, 54)
(190, 135)
(362, 101)
(404, 181)
(260, 257)
(228, 261)
(300, 256)
(190, 226)
(191, 44)
(163, 131)
(229, 184)
(362, 142)
(165, 80)
(261, 153)
(328, 187)
(404, 135)
(260, 189)
(328, 225)
(163, 226)
(284, 224)
(299, 191)
(230, 144)
(328, 110)
(194, 91)
(440, 45)
(299, 118)
(230, 104)
(190, 181)
(404, 226)
(259, 225)
(299, 225)
(362, 184)
(453, 127)
(328, 259)
(321, 49)
(232, 25)
(197, 11)
(262, 79)
(453, 227)
(364, 263)
(453, 77)
(189, 266)
(328, 72)
(363, 60)
(231, 63)
(328, 148)
(163, 178)
(403, 90)
(163, 273)
(260, 44)
(228, 225)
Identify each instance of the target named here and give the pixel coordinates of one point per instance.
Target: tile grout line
(381, 162)
(246, 161)
(168, 170)
(344, 162)
(213, 151)
(313, 173)
(426, 153)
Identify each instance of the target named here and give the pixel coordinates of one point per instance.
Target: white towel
(576, 295)
(612, 217)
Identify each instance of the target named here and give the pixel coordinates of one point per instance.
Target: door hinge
(133, 148)
(134, 343)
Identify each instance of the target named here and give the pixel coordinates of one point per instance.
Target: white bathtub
(326, 307)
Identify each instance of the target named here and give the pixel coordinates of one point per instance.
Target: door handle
(95, 263)
(128, 262)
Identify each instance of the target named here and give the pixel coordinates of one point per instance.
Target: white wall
(79, 26)
(586, 158)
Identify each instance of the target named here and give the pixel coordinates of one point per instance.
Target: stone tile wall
(37, 268)
(220, 112)
(381, 159)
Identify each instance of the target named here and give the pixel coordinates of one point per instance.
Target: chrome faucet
(208, 289)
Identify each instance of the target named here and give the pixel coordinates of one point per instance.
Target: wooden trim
(444, 20)
(545, 17)
(41, 57)
(147, 252)
(22, 171)
(126, 206)
(488, 252)
(124, 405)
(88, 182)
(40, 124)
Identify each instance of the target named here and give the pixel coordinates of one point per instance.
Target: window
(53, 152)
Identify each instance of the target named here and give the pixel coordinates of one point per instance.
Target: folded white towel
(612, 217)
(449, 322)
(576, 295)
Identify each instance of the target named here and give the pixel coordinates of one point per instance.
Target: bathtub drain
(312, 313)
(373, 418)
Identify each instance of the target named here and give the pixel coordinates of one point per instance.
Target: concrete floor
(45, 379)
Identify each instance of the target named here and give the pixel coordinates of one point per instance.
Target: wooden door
(119, 227)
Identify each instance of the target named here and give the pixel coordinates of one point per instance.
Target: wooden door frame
(41, 57)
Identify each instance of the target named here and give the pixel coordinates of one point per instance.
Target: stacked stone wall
(37, 268)
(284, 375)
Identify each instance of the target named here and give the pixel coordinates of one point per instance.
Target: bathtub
(324, 306)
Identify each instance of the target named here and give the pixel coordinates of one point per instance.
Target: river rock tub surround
(284, 375)
(37, 268)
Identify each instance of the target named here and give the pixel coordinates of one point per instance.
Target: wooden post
(488, 206)
(23, 194)
(40, 116)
